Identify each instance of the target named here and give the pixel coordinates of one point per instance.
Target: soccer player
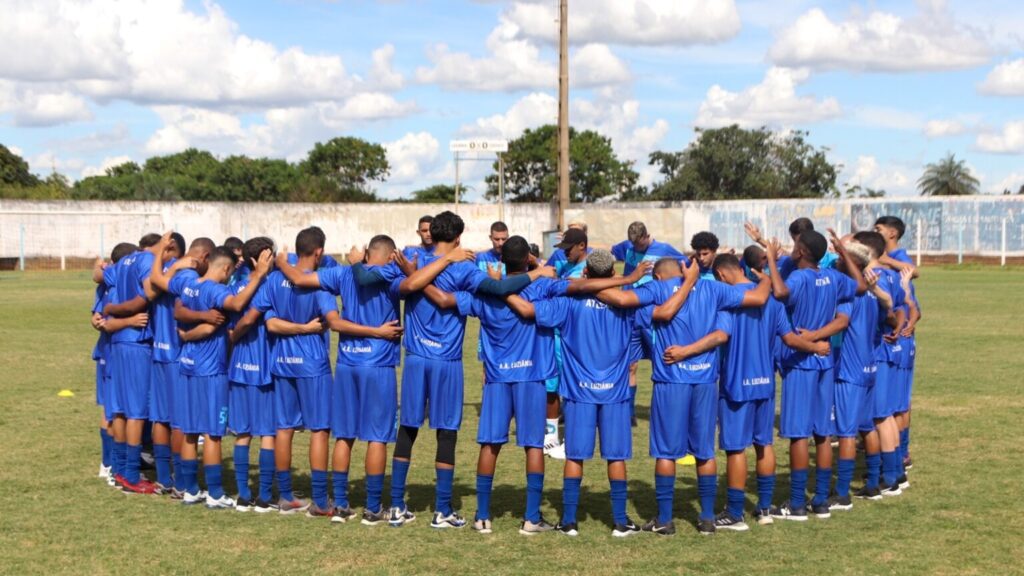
(490, 260)
(787, 263)
(426, 245)
(560, 255)
(433, 363)
(811, 296)
(705, 248)
(236, 245)
(746, 404)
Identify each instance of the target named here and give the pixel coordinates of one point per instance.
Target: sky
(887, 87)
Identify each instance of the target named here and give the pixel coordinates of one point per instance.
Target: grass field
(963, 514)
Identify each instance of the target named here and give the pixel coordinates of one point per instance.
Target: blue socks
(399, 472)
(214, 480)
(534, 492)
(284, 485)
(443, 490)
(106, 447)
(873, 463)
(664, 492)
(765, 490)
(735, 497)
(618, 493)
(241, 459)
(570, 499)
(844, 476)
(266, 474)
(822, 484)
(707, 487)
(340, 480)
(179, 481)
(890, 467)
(798, 488)
(484, 485)
(318, 486)
(374, 489)
(904, 443)
(119, 453)
(162, 460)
(190, 476)
(132, 454)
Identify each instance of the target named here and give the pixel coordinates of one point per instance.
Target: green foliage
(348, 165)
(531, 168)
(14, 170)
(734, 163)
(858, 191)
(947, 177)
(438, 193)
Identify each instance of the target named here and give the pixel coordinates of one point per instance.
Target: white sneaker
(104, 472)
(557, 451)
(218, 503)
(189, 499)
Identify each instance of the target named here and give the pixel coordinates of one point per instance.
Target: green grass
(963, 514)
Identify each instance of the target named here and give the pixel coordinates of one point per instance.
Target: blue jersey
(514, 350)
(417, 252)
(250, 356)
(813, 298)
(595, 343)
(132, 272)
(565, 269)
(787, 265)
(748, 359)
(326, 261)
(893, 353)
(369, 306)
(864, 334)
(624, 252)
(102, 297)
(704, 312)
(166, 345)
(490, 259)
(300, 355)
(431, 332)
(209, 356)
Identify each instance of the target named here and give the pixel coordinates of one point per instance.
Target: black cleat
(726, 521)
(570, 529)
(705, 527)
(666, 529)
(867, 493)
(785, 512)
(837, 502)
(821, 510)
(623, 530)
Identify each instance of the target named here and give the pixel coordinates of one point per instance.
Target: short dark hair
(202, 243)
(515, 254)
(636, 231)
(893, 222)
(428, 219)
(499, 226)
(873, 240)
(308, 240)
(799, 226)
(148, 240)
(179, 241)
(224, 253)
(121, 250)
(381, 241)
(233, 243)
(815, 244)
(753, 256)
(446, 227)
(704, 240)
(662, 263)
(253, 247)
(726, 261)
(535, 250)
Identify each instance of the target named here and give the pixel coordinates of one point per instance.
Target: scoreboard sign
(494, 146)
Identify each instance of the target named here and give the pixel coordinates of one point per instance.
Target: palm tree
(947, 177)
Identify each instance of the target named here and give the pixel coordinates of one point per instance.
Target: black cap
(572, 237)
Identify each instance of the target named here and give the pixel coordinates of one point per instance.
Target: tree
(14, 170)
(349, 165)
(438, 193)
(735, 163)
(947, 177)
(857, 191)
(531, 168)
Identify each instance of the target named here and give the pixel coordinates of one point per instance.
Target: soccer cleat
(837, 502)
(314, 511)
(177, 494)
(763, 516)
(146, 460)
(556, 451)
(104, 472)
(482, 525)
(890, 491)
(374, 518)
(784, 512)
(443, 521)
(821, 510)
(726, 521)
(141, 487)
(342, 514)
(687, 460)
(291, 506)
(903, 482)
(706, 527)
(654, 527)
(908, 463)
(219, 503)
(161, 490)
(623, 530)
(189, 499)
(866, 493)
(399, 516)
(110, 480)
(262, 506)
(528, 528)
(243, 505)
(570, 529)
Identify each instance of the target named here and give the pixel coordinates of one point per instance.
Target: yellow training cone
(66, 394)
(687, 460)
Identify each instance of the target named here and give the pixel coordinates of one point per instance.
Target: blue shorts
(251, 409)
(132, 370)
(867, 420)
(744, 423)
(111, 407)
(637, 347)
(101, 385)
(905, 377)
(807, 403)
(887, 389)
(612, 421)
(206, 410)
(526, 401)
(364, 403)
(179, 401)
(161, 395)
(302, 402)
(438, 382)
(683, 420)
(551, 384)
(850, 400)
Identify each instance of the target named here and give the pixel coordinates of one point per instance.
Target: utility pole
(563, 112)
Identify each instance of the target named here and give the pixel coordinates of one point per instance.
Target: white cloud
(773, 102)
(530, 111)
(411, 157)
(944, 128)
(1010, 140)
(637, 22)
(1013, 182)
(383, 76)
(44, 105)
(867, 172)
(880, 41)
(1006, 79)
(108, 162)
(47, 162)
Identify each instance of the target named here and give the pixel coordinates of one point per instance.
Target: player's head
(859, 254)
(578, 225)
(222, 264)
(705, 246)
(727, 268)
(638, 236)
(253, 247)
(200, 250)
(423, 230)
(534, 250)
(121, 250)
(498, 236)
(755, 257)
(310, 242)
(600, 264)
(666, 268)
(447, 227)
(874, 241)
(810, 247)
(379, 250)
(148, 240)
(891, 228)
(176, 248)
(799, 226)
(515, 254)
(234, 244)
(574, 244)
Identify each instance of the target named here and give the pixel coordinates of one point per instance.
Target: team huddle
(202, 341)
